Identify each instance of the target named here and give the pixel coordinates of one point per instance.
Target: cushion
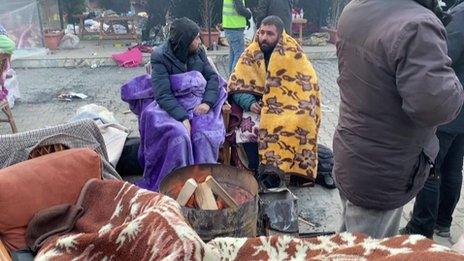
(43, 182)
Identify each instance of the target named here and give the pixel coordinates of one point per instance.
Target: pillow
(43, 182)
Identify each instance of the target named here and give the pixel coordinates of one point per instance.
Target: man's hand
(202, 109)
(256, 108)
(186, 123)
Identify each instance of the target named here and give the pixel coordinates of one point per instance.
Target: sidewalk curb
(92, 62)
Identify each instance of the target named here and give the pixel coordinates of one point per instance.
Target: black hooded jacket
(280, 8)
(434, 6)
(173, 58)
(455, 31)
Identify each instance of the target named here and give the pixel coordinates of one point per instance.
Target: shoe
(442, 231)
(404, 231)
(407, 231)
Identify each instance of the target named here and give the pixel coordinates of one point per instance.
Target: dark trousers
(251, 150)
(435, 203)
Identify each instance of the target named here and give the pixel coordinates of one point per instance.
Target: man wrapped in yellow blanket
(276, 87)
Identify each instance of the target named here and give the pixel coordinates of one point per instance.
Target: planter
(205, 39)
(333, 34)
(52, 39)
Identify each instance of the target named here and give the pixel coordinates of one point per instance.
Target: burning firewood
(206, 193)
(187, 191)
(221, 192)
(221, 204)
(205, 198)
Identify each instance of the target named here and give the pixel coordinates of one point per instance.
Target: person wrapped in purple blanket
(179, 110)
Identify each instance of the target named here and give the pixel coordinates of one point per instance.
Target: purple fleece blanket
(165, 144)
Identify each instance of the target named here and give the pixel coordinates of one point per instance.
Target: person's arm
(244, 100)
(261, 11)
(455, 31)
(241, 9)
(211, 94)
(162, 89)
(431, 92)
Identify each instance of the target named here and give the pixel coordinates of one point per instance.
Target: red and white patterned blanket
(123, 222)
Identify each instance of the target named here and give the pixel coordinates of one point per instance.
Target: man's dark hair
(276, 21)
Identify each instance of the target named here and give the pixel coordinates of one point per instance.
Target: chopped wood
(187, 191)
(205, 198)
(221, 192)
(4, 255)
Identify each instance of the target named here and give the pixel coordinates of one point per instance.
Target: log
(187, 191)
(221, 192)
(205, 198)
(4, 254)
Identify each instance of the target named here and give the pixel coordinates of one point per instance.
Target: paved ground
(40, 107)
(90, 54)
(40, 88)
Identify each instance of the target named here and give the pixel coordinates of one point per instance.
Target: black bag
(128, 165)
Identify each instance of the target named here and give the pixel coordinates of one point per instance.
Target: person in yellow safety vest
(235, 17)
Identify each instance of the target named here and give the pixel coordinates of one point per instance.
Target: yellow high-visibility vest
(230, 18)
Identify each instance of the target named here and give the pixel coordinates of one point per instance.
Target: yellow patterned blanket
(291, 112)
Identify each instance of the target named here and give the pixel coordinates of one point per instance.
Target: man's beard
(192, 50)
(267, 48)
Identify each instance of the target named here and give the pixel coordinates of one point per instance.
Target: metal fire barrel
(209, 224)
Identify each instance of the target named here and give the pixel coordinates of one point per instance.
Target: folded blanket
(123, 222)
(55, 220)
(291, 113)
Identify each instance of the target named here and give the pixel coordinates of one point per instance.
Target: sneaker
(404, 231)
(407, 231)
(442, 231)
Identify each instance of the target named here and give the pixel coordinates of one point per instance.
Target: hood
(183, 32)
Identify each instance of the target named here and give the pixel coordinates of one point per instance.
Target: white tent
(21, 19)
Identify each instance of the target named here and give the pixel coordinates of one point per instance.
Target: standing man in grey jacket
(396, 86)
